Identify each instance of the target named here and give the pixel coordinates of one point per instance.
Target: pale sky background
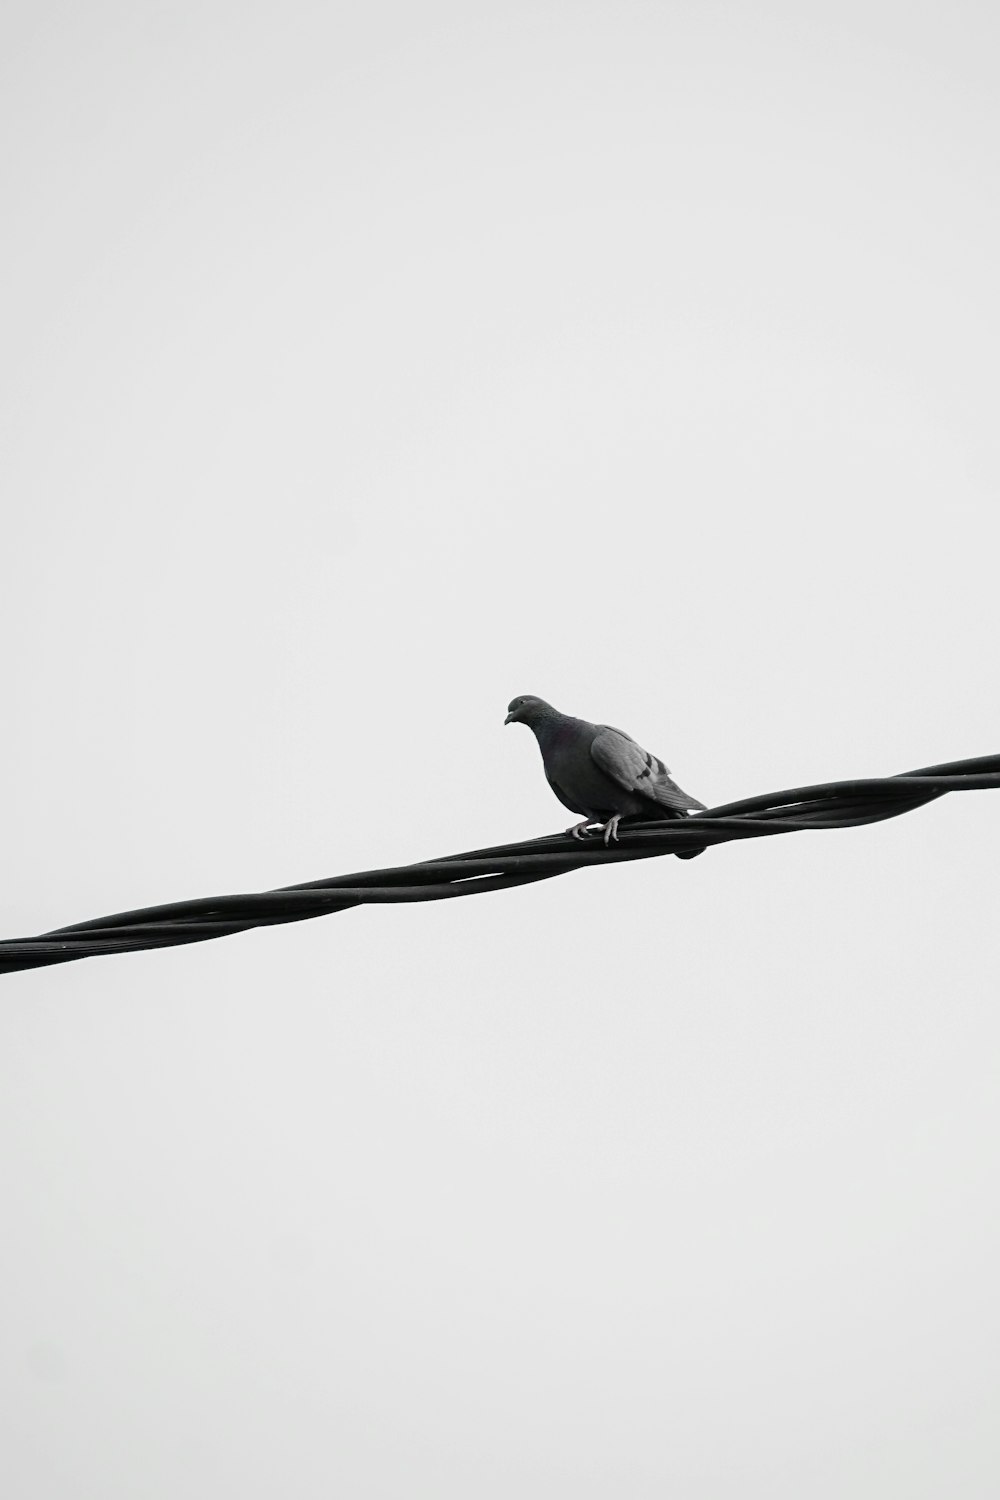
(362, 367)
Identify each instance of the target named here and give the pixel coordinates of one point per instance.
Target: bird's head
(527, 710)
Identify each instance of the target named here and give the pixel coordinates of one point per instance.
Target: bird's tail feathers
(666, 793)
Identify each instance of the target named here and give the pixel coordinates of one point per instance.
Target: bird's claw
(609, 830)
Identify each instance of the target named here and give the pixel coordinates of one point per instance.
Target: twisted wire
(833, 804)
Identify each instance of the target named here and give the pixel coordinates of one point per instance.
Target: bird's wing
(637, 771)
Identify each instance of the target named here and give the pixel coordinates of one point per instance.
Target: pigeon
(600, 772)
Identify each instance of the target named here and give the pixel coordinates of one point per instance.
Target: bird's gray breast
(578, 780)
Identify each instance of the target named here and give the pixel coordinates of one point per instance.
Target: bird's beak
(508, 718)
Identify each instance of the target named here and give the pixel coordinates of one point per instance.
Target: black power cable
(833, 804)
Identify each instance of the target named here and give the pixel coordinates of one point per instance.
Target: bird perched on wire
(600, 772)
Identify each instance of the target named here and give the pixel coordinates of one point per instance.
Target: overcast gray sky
(362, 367)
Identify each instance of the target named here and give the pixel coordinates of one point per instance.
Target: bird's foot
(611, 829)
(580, 830)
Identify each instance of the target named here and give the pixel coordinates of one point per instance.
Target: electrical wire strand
(833, 804)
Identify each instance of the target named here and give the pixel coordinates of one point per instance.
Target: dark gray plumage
(600, 772)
